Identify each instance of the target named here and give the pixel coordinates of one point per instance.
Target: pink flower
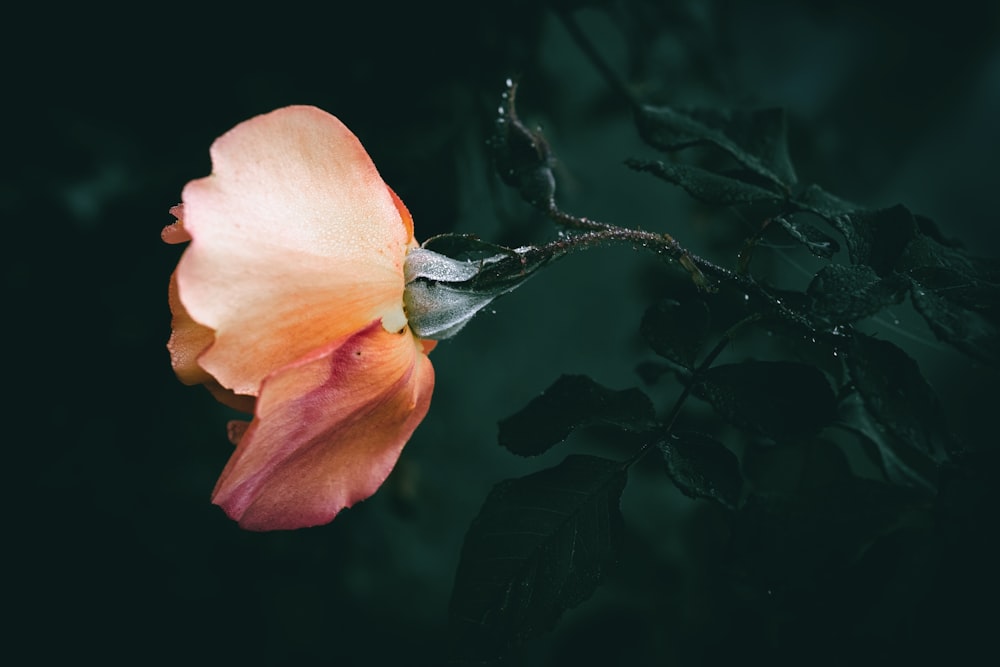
(288, 303)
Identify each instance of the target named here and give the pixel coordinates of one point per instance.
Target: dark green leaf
(756, 139)
(813, 239)
(786, 470)
(843, 294)
(572, 401)
(702, 467)
(778, 399)
(967, 330)
(930, 229)
(540, 545)
(968, 281)
(957, 294)
(707, 186)
(879, 237)
(898, 397)
(901, 464)
(885, 232)
(817, 200)
(876, 238)
(676, 330)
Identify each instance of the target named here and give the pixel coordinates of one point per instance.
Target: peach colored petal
(296, 241)
(175, 232)
(235, 430)
(328, 430)
(188, 340)
(231, 399)
(404, 214)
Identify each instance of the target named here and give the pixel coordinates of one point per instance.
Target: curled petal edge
(188, 341)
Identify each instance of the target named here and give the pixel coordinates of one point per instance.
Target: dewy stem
(661, 243)
(664, 244)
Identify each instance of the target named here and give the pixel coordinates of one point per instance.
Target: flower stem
(707, 362)
(596, 59)
(661, 243)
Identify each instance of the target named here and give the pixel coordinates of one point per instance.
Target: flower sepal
(452, 277)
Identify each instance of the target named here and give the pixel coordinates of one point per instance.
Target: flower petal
(296, 241)
(175, 233)
(328, 430)
(188, 340)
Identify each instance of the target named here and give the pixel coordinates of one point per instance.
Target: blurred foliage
(790, 541)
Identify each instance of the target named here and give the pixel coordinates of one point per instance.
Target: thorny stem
(663, 244)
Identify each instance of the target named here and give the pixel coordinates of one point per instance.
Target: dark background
(117, 553)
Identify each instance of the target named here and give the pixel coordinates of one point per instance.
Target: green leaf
(813, 239)
(820, 202)
(876, 238)
(969, 281)
(757, 139)
(901, 464)
(702, 467)
(883, 235)
(930, 229)
(540, 545)
(898, 397)
(957, 294)
(966, 329)
(843, 294)
(782, 400)
(676, 330)
(707, 186)
(571, 402)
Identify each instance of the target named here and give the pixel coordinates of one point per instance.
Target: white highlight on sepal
(434, 309)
